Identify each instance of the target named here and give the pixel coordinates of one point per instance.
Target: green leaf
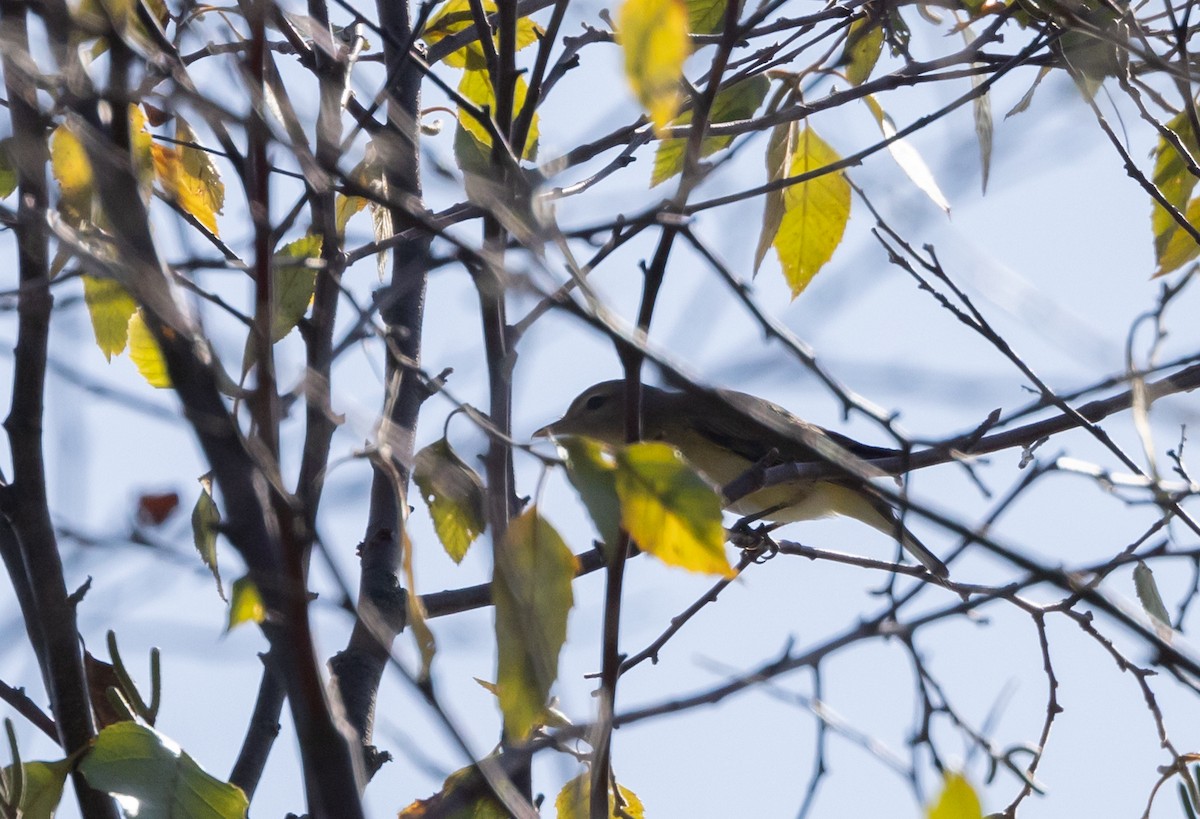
(205, 520)
(706, 16)
(573, 800)
(779, 150)
(957, 801)
(8, 168)
(669, 510)
(815, 213)
(1179, 247)
(654, 37)
(864, 44)
(1147, 592)
(591, 468)
(110, 308)
(135, 761)
(532, 593)
(42, 787)
(906, 156)
(476, 86)
(145, 353)
(736, 102)
(245, 604)
(294, 267)
(454, 493)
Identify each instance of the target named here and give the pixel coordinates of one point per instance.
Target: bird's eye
(596, 402)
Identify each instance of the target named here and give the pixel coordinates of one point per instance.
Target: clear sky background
(1058, 254)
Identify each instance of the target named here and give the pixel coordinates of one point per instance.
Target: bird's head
(597, 412)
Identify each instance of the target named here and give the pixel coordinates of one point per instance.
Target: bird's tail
(877, 512)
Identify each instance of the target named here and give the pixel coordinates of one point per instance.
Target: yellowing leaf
(958, 800)
(669, 510)
(476, 86)
(815, 212)
(245, 604)
(454, 493)
(532, 593)
(484, 806)
(737, 102)
(294, 267)
(456, 16)
(573, 800)
(1173, 246)
(654, 36)
(145, 353)
(110, 308)
(706, 16)
(906, 156)
(591, 468)
(864, 43)
(189, 174)
(205, 520)
(778, 157)
(140, 142)
(71, 169)
(8, 168)
(1179, 247)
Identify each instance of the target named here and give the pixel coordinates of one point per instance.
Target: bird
(724, 433)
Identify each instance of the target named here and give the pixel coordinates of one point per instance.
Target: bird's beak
(544, 432)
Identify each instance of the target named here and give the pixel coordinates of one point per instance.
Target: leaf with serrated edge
(906, 156)
(205, 520)
(245, 604)
(531, 591)
(189, 174)
(815, 213)
(669, 510)
(654, 37)
(133, 760)
(591, 468)
(957, 801)
(454, 493)
(476, 86)
(145, 353)
(737, 102)
(295, 272)
(573, 800)
(110, 308)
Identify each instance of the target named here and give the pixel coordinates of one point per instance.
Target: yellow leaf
(139, 143)
(484, 806)
(476, 86)
(737, 102)
(907, 157)
(245, 603)
(573, 800)
(669, 510)
(958, 800)
(189, 174)
(815, 213)
(71, 169)
(531, 590)
(145, 353)
(456, 16)
(654, 36)
(1175, 247)
(864, 43)
(454, 493)
(110, 308)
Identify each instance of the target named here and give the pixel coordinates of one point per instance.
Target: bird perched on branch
(724, 434)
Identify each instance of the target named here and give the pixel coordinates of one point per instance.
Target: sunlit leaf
(41, 787)
(591, 468)
(669, 510)
(454, 493)
(957, 801)
(573, 800)
(815, 213)
(145, 354)
(906, 156)
(190, 175)
(110, 308)
(71, 169)
(294, 267)
(136, 761)
(737, 102)
(482, 805)
(1179, 247)
(455, 16)
(245, 604)
(531, 590)
(705, 16)
(654, 37)
(205, 520)
(1173, 246)
(476, 86)
(778, 157)
(864, 44)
